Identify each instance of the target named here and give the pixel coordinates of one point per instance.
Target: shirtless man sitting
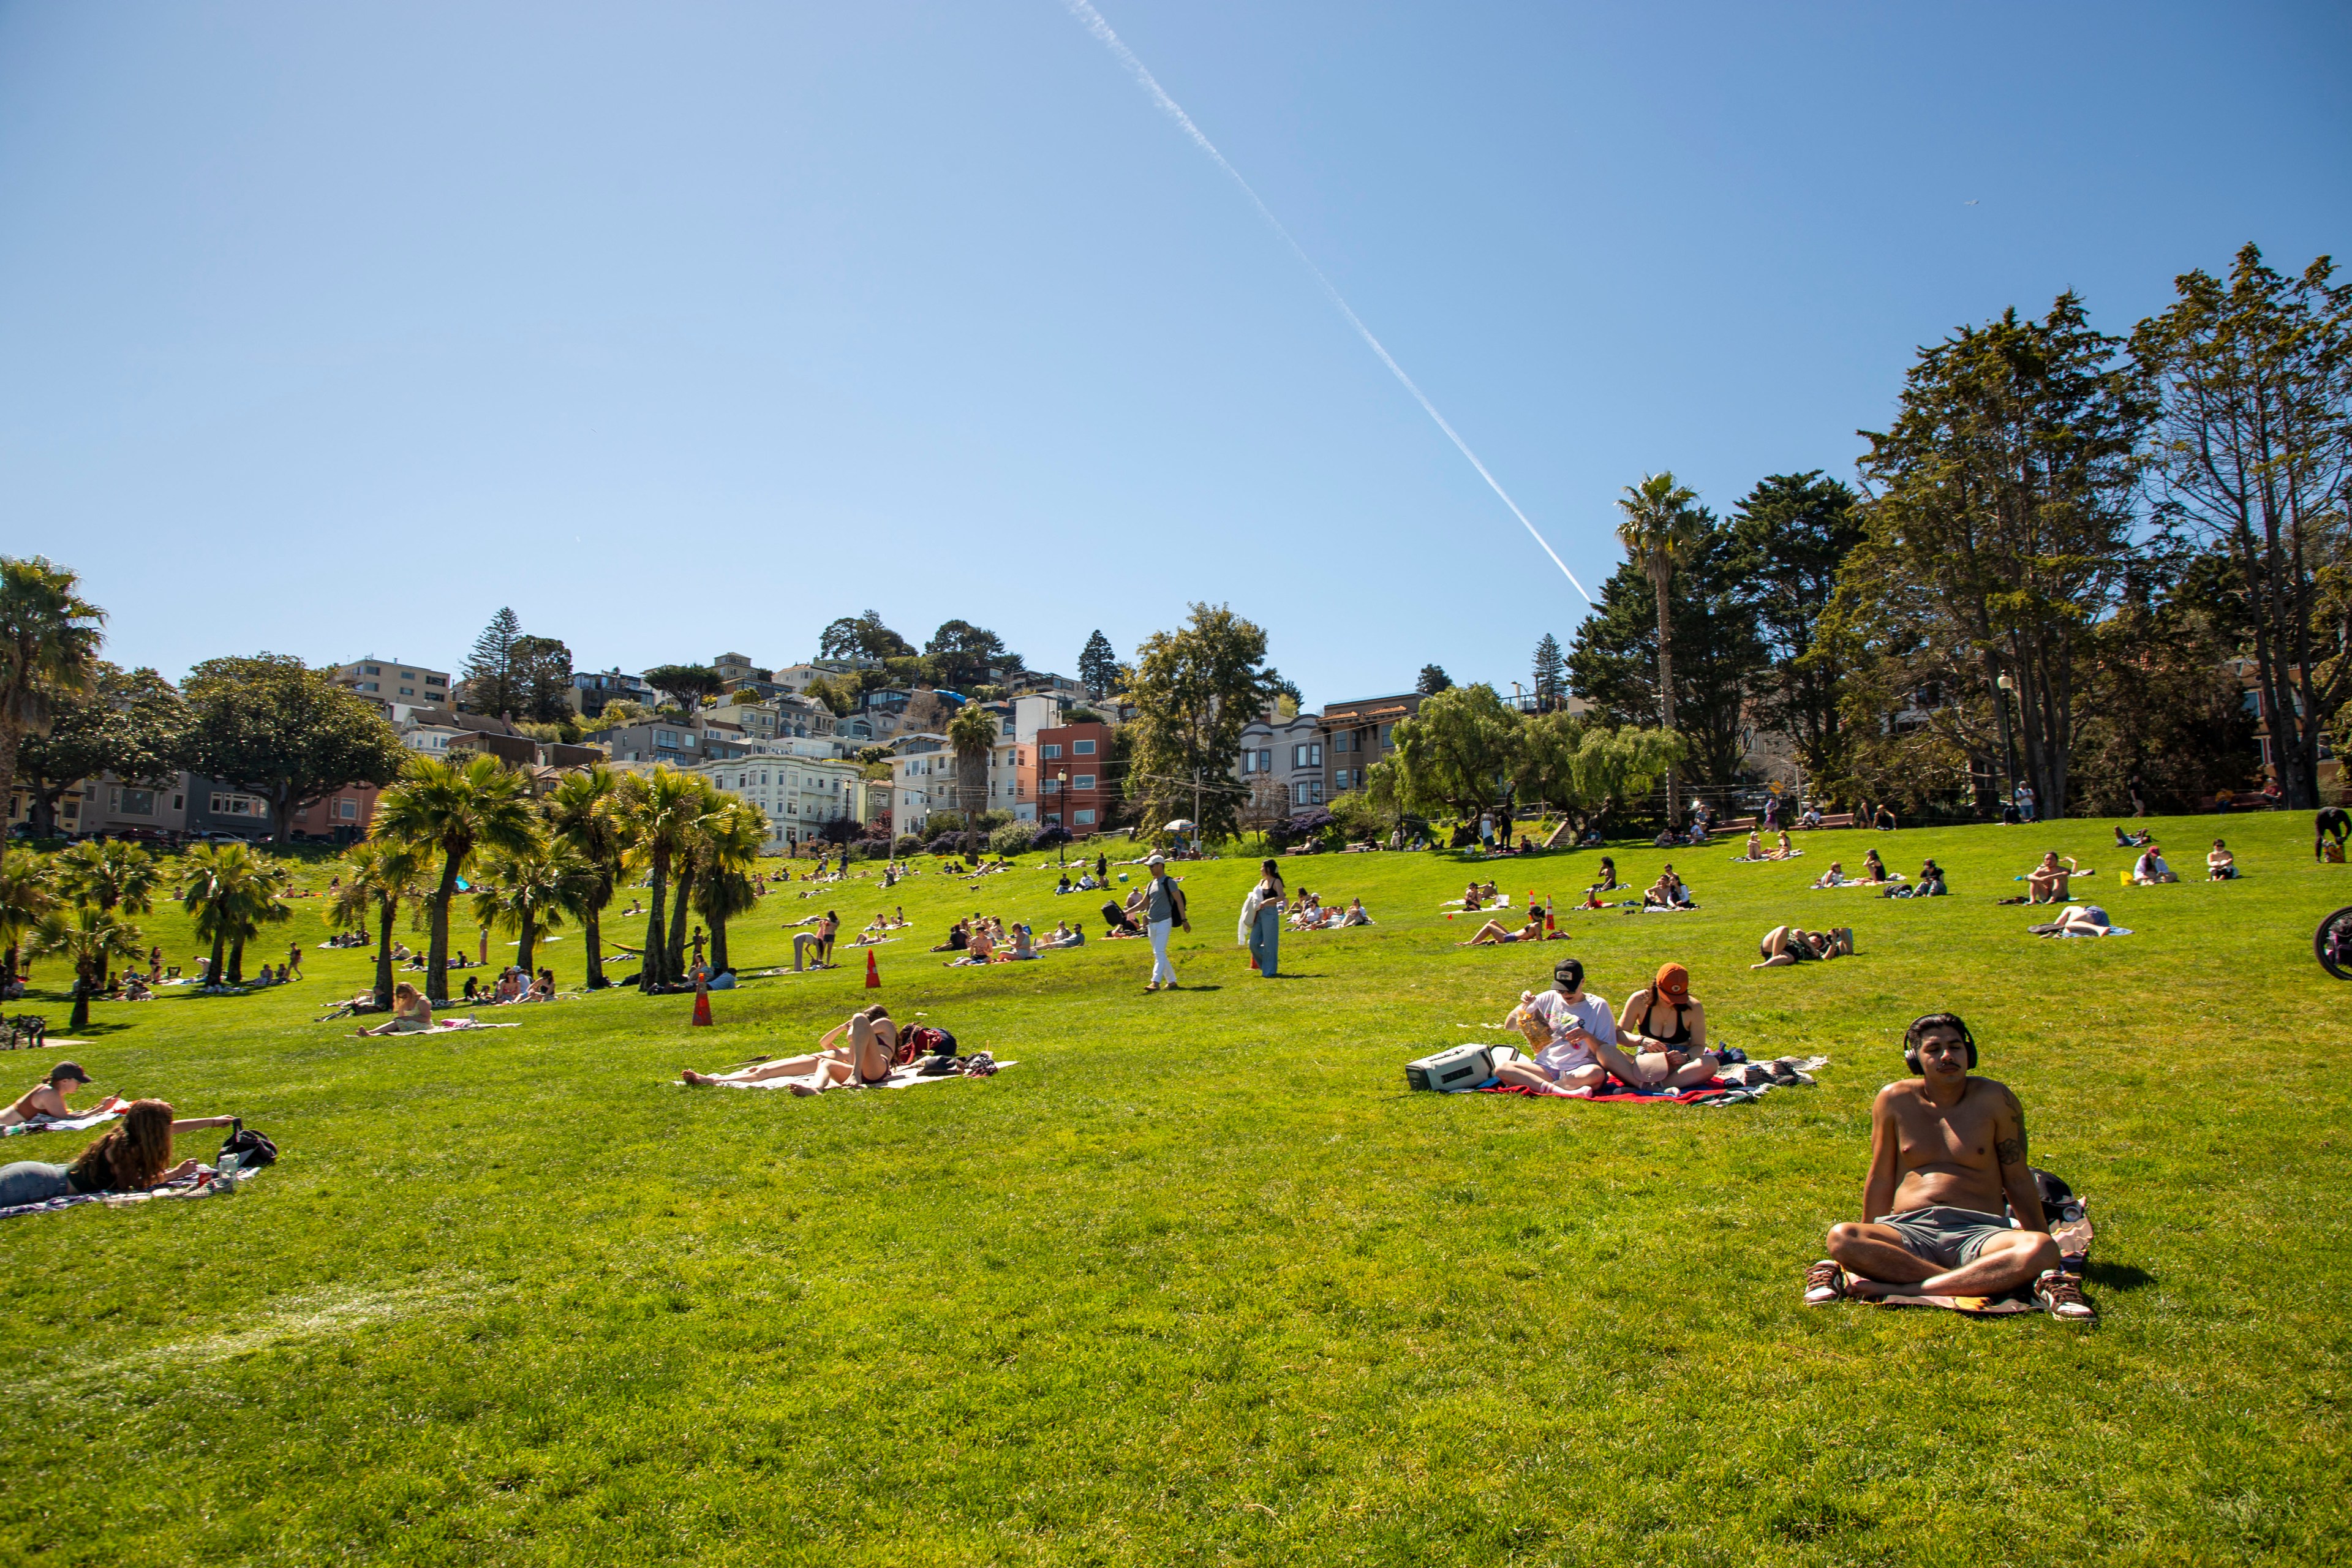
(1946, 1149)
(46, 1100)
(2046, 883)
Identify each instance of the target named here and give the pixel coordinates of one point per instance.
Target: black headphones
(1935, 1021)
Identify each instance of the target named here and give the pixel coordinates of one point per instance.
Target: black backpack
(252, 1149)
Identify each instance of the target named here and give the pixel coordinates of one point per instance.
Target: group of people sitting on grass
(862, 1050)
(1783, 850)
(513, 984)
(1668, 892)
(1307, 912)
(1657, 1040)
(133, 1156)
(985, 939)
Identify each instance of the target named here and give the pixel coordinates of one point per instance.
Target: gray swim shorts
(1946, 1237)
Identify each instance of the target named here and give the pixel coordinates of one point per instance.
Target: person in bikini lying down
(46, 1100)
(1946, 1148)
(860, 1050)
(1566, 1030)
(1494, 933)
(1785, 946)
(2076, 920)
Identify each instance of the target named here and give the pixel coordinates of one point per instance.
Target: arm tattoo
(2011, 1150)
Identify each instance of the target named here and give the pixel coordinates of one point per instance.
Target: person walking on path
(1163, 910)
(1260, 928)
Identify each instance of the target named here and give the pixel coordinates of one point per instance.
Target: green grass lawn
(1197, 1281)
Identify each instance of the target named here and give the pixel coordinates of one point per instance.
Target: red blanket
(1618, 1094)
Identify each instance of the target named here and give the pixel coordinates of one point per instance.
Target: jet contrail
(1085, 12)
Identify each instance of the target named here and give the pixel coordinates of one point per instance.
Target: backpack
(252, 1150)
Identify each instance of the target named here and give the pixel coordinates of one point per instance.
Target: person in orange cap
(1664, 1034)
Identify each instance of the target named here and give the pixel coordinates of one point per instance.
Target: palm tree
(584, 811)
(730, 845)
(660, 810)
(1663, 525)
(90, 939)
(379, 874)
(693, 861)
(49, 647)
(530, 891)
(974, 734)
(452, 809)
(27, 893)
(107, 872)
(232, 893)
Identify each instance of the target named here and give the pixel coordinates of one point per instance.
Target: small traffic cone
(873, 975)
(1253, 968)
(702, 1009)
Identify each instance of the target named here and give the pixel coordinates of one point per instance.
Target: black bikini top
(1681, 1037)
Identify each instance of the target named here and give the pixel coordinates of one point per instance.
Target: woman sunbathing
(1754, 846)
(1356, 915)
(1833, 877)
(132, 1156)
(1668, 1032)
(2077, 919)
(1785, 946)
(1873, 869)
(1608, 882)
(2220, 864)
(867, 1044)
(1494, 933)
(411, 1013)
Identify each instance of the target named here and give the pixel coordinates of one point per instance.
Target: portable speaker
(1458, 1066)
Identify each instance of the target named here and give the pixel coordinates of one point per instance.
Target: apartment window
(1309, 755)
(133, 801)
(1054, 818)
(349, 810)
(178, 802)
(436, 680)
(1386, 729)
(407, 675)
(1084, 780)
(371, 669)
(408, 691)
(1082, 748)
(665, 737)
(225, 805)
(1085, 819)
(1340, 742)
(1339, 778)
(1049, 787)
(1265, 760)
(1050, 753)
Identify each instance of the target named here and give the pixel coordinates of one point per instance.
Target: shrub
(1013, 838)
(907, 845)
(944, 822)
(946, 843)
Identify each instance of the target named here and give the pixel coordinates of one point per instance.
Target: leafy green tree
(50, 638)
(380, 873)
(1791, 533)
(974, 734)
(2254, 456)
(585, 811)
(27, 893)
(2004, 520)
(542, 680)
(1432, 680)
(967, 653)
(692, 866)
(1459, 751)
(861, 636)
(90, 939)
(131, 723)
(108, 874)
(1549, 680)
(233, 891)
(530, 890)
(689, 683)
(488, 684)
(1196, 689)
(1661, 526)
(1099, 666)
(273, 727)
(662, 811)
(452, 809)
(1614, 662)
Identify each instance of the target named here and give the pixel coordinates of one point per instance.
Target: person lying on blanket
(132, 1156)
(2076, 920)
(1945, 1148)
(1785, 946)
(46, 1098)
(410, 1013)
(1566, 1028)
(1494, 933)
(868, 1045)
(1833, 877)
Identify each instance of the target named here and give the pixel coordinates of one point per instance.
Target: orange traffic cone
(1253, 968)
(873, 975)
(702, 1008)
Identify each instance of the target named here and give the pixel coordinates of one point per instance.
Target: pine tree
(489, 679)
(1098, 665)
(1432, 680)
(1550, 673)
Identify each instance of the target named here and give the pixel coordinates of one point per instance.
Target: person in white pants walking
(1163, 909)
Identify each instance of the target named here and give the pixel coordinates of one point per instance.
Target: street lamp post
(1062, 804)
(2003, 689)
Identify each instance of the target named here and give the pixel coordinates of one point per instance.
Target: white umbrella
(1181, 824)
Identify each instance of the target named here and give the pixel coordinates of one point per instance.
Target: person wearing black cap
(46, 1100)
(1567, 1026)
(1948, 1167)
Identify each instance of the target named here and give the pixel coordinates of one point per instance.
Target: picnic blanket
(59, 1124)
(2063, 935)
(1764, 859)
(196, 1186)
(1741, 1083)
(900, 1077)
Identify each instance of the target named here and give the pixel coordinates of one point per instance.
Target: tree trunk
(436, 947)
(674, 955)
(220, 958)
(591, 931)
(236, 962)
(12, 734)
(385, 905)
(80, 1019)
(718, 964)
(649, 970)
(1665, 682)
(527, 944)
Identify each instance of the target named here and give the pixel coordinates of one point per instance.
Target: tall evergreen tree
(1432, 680)
(1550, 673)
(488, 682)
(1790, 534)
(542, 676)
(1099, 666)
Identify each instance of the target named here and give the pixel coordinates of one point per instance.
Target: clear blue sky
(329, 329)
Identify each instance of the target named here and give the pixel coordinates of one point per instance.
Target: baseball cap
(1157, 860)
(1568, 974)
(69, 1070)
(1674, 981)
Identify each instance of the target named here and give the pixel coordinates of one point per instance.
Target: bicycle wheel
(2331, 943)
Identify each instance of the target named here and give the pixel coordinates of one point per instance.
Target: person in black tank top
(1665, 1032)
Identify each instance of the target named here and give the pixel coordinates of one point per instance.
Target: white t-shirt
(1591, 1014)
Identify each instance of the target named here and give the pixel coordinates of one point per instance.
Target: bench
(1842, 819)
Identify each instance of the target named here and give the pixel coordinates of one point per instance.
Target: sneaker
(2061, 1295)
(1824, 1283)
